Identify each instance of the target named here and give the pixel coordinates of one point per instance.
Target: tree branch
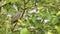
(19, 16)
(3, 4)
(27, 2)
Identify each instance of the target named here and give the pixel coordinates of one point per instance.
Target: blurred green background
(40, 16)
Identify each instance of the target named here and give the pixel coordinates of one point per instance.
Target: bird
(15, 17)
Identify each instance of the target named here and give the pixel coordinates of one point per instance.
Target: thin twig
(27, 2)
(1, 5)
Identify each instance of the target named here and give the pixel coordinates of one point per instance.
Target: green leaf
(24, 31)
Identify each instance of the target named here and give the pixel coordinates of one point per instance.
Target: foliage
(40, 16)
